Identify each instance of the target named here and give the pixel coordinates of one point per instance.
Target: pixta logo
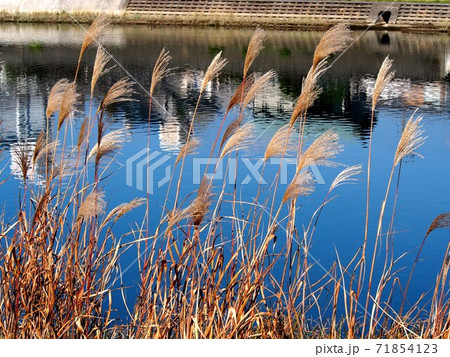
(149, 170)
(149, 164)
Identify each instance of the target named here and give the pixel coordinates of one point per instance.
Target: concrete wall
(109, 6)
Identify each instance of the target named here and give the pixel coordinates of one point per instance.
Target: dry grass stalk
(119, 92)
(441, 221)
(239, 140)
(122, 209)
(101, 60)
(334, 40)
(94, 32)
(213, 70)
(160, 69)
(231, 129)
(257, 86)
(93, 205)
(346, 176)
(410, 141)
(301, 185)
(56, 95)
(109, 144)
(68, 102)
(383, 79)
(200, 206)
(325, 147)
(187, 149)
(82, 135)
(240, 92)
(254, 48)
(281, 142)
(310, 91)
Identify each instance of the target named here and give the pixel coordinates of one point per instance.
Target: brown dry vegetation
(60, 257)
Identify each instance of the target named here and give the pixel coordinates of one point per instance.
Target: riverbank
(289, 23)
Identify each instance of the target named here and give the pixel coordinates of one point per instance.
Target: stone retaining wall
(328, 10)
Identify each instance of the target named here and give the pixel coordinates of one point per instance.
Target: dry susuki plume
(239, 140)
(254, 48)
(109, 144)
(93, 205)
(200, 206)
(310, 91)
(121, 91)
(257, 86)
(56, 95)
(68, 102)
(187, 149)
(325, 147)
(40, 143)
(59, 170)
(22, 155)
(334, 40)
(160, 69)
(301, 185)
(123, 209)
(441, 221)
(240, 92)
(101, 60)
(346, 176)
(82, 135)
(231, 129)
(45, 152)
(213, 70)
(383, 79)
(94, 32)
(281, 142)
(411, 139)
(175, 218)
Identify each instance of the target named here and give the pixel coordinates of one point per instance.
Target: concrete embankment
(287, 14)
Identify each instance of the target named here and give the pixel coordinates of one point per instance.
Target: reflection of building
(23, 103)
(404, 92)
(21, 151)
(37, 172)
(169, 135)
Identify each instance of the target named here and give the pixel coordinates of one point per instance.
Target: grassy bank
(287, 23)
(202, 273)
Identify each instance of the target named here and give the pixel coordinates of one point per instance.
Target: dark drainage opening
(385, 39)
(384, 16)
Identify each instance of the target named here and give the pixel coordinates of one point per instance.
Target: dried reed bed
(201, 274)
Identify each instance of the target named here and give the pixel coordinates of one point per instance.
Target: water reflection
(36, 56)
